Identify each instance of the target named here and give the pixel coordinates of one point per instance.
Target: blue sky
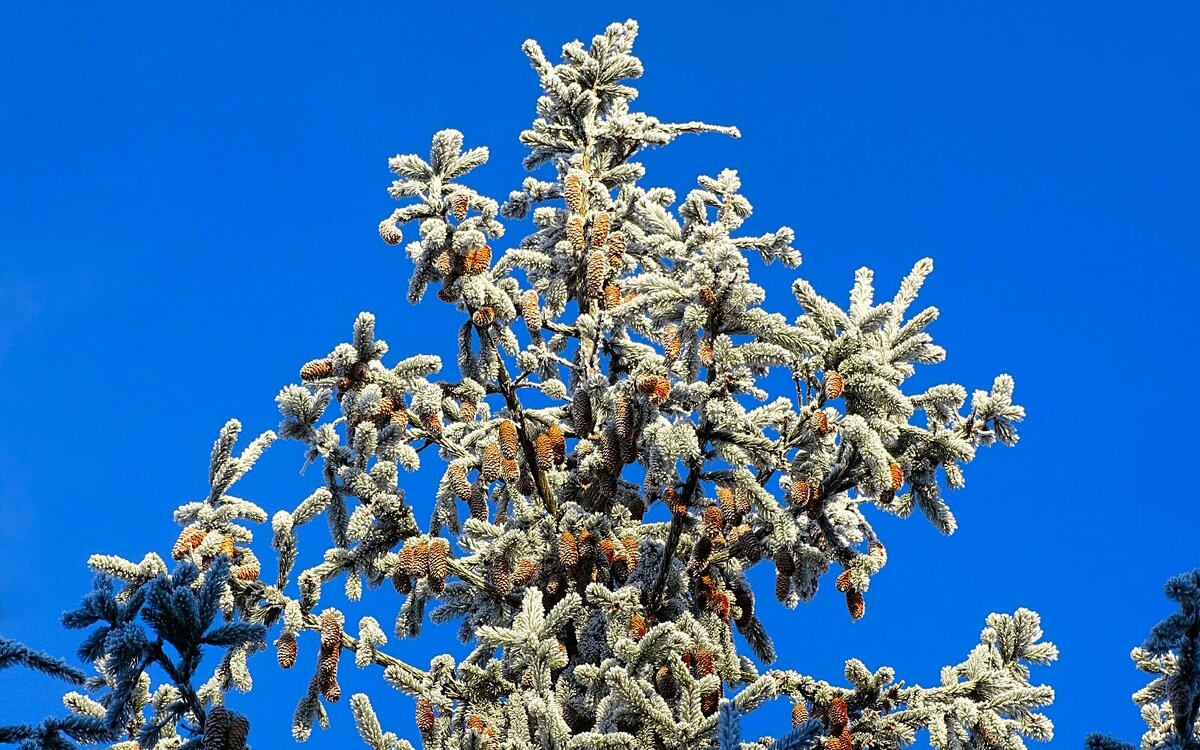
(188, 211)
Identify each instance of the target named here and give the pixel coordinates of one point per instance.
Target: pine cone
(568, 550)
(612, 296)
(317, 369)
(510, 445)
(544, 448)
(575, 234)
(456, 479)
(856, 604)
(216, 728)
(706, 354)
(843, 741)
(597, 274)
(581, 413)
(527, 572)
(665, 683)
(673, 344)
(425, 716)
(390, 233)
(843, 581)
(741, 500)
(189, 539)
(439, 564)
(834, 384)
(745, 604)
(558, 442)
(445, 263)
(637, 627)
(432, 424)
(709, 702)
(600, 227)
(448, 293)
(616, 250)
(227, 547)
(248, 571)
(631, 551)
(402, 583)
(897, 476)
(799, 493)
(816, 501)
(483, 317)
(799, 714)
(285, 650)
(491, 468)
(839, 715)
(239, 730)
(704, 661)
(784, 562)
(707, 296)
(327, 662)
(531, 312)
(459, 205)
(718, 604)
(478, 260)
(573, 193)
(821, 423)
(477, 504)
(500, 578)
(714, 521)
(783, 586)
(608, 549)
(510, 469)
(525, 483)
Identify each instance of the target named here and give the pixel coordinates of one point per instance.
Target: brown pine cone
(439, 564)
(834, 385)
(597, 274)
(432, 424)
(816, 501)
(544, 449)
(714, 520)
(327, 662)
(783, 586)
(799, 714)
(821, 423)
(239, 730)
(530, 311)
(741, 500)
(616, 250)
(784, 562)
(527, 572)
(483, 317)
(707, 357)
(612, 296)
(637, 627)
(839, 715)
(458, 205)
(568, 550)
(843, 581)
(390, 233)
(491, 469)
(608, 549)
(673, 344)
(216, 728)
(631, 550)
(718, 604)
(745, 603)
(425, 716)
(456, 479)
(709, 702)
(510, 445)
(573, 193)
(445, 263)
(477, 504)
(856, 604)
(581, 413)
(704, 661)
(510, 469)
(500, 578)
(575, 234)
(317, 369)
(525, 483)
(665, 683)
(707, 296)
(600, 226)
(285, 650)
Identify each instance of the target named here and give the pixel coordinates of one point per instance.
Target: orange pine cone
(573, 193)
(897, 476)
(843, 581)
(425, 716)
(608, 549)
(432, 424)
(834, 385)
(821, 422)
(568, 550)
(704, 661)
(707, 296)
(558, 442)
(476, 723)
(612, 296)
(544, 448)
(800, 493)
(510, 469)
(856, 604)
(816, 501)
(483, 317)
(600, 227)
(189, 539)
(510, 445)
(285, 650)
(673, 345)
(631, 550)
(706, 354)
(843, 741)
(248, 571)
(637, 627)
(227, 547)
(317, 369)
(714, 520)
(478, 260)
(718, 604)
(439, 564)
(799, 714)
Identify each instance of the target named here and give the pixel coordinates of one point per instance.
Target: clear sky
(188, 202)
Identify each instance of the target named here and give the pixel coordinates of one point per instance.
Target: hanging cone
(600, 227)
(834, 385)
(478, 260)
(425, 716)
(285, 650)
(573, 193)
(317, 369)
(510, 445)
(390, 233)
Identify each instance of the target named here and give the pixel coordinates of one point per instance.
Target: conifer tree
(613, 359)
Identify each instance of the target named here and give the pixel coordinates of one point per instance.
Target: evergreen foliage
(1170, 704)
(611, 360)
